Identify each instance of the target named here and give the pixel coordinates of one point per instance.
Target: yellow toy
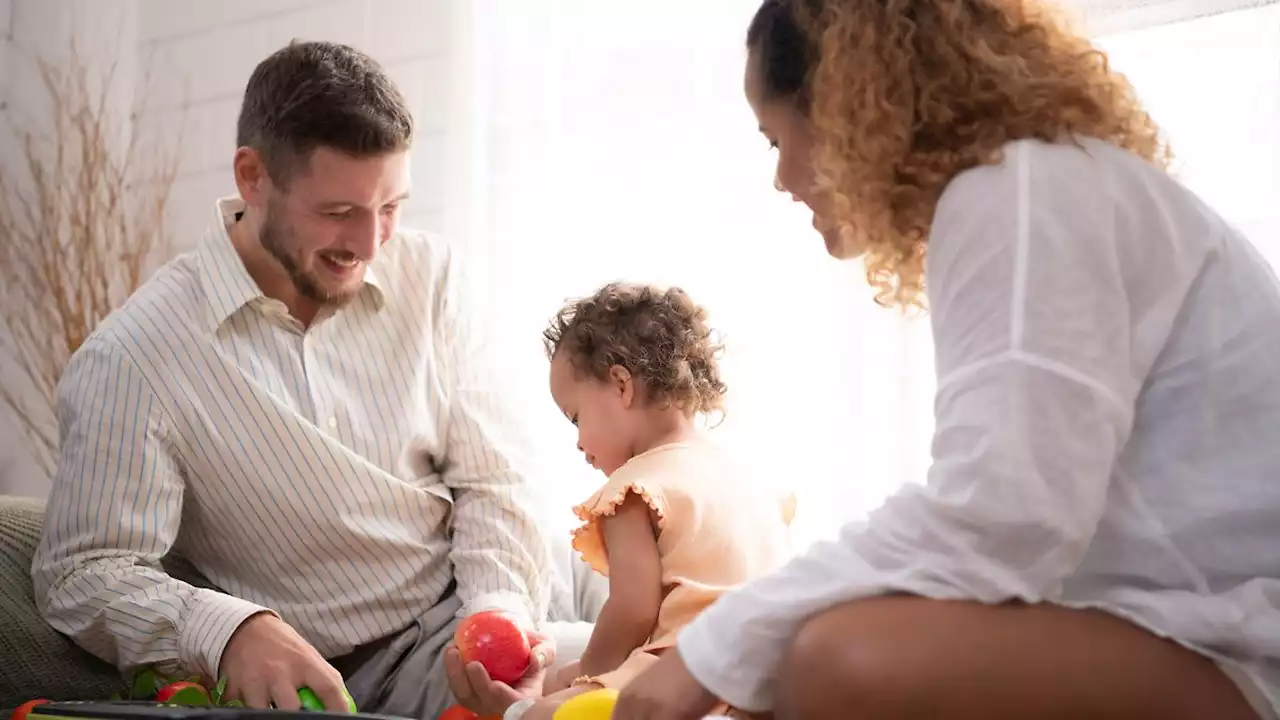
(590, 705)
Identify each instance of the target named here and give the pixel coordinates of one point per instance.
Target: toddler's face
(601, 410)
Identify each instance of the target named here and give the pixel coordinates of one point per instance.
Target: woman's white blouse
(1108, 425)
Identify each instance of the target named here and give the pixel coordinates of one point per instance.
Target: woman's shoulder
(1086, 188)
(1041, 167)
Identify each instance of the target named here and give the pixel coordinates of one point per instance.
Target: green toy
(310, 701)
(188, 692)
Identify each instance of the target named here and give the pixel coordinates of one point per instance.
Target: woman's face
(790, 133)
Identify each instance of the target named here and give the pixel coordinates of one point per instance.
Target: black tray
(142, 710)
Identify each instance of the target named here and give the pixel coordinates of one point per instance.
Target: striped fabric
(316, 473)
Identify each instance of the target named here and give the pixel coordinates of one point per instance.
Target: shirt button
(333, 423)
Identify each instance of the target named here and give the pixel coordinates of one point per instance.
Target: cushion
(36, 661)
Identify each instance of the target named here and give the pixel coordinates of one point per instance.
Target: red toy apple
(20, 712)
(183, 692)
(493, 639)
(458, 712)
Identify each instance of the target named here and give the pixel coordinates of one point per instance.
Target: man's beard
(277, 240)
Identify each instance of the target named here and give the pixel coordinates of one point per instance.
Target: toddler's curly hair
(659, 335)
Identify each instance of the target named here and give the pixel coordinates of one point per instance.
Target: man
(300, 407)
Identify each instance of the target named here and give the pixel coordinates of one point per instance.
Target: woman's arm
(635, 587)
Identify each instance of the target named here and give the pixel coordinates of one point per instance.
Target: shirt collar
(227, 284)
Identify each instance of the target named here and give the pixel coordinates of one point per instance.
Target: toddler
(675, 525)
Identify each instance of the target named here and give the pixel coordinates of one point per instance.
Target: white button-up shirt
(1108, 426)
(341, 475)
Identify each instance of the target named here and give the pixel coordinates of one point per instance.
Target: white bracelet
(517, 709)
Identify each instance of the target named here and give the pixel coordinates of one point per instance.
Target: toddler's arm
(635, 587)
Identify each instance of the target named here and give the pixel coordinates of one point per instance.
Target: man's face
(326, 226)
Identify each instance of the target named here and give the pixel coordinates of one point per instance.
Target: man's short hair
(308, 95)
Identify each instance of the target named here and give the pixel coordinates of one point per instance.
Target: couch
(38, 662)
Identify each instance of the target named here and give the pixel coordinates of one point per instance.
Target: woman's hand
(665, 691)
(484, 696)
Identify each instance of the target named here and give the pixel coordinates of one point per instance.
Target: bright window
(1214, 85)
(619, 145)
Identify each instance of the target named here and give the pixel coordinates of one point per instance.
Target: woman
(1099, 536)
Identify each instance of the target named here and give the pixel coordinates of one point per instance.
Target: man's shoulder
(170, 297)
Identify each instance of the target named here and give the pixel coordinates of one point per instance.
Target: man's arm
(112, 514)
(501, 559)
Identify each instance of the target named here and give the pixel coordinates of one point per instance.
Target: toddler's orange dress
(715, 532)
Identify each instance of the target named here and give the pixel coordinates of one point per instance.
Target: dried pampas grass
(82, 222)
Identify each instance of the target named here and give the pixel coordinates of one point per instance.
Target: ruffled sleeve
(588, 539)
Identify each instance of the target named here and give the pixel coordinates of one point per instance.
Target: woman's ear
(620, 380)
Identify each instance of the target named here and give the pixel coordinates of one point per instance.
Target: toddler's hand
(665, 691)
(561, 678)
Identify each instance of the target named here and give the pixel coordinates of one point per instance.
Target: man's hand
(482, 695)
(666, 691)
(266, 661)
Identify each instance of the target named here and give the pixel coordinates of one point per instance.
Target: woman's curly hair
(903, 95)
(660, 336)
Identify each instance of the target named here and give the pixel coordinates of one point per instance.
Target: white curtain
(1112, 17)
(1214, 85)
(613, 141)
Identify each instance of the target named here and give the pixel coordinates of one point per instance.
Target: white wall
(203, 53)
(6, 20)
(42, 29)
(184, 64)
(11, 470)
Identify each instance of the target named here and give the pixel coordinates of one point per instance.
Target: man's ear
(620, 380)
(252, 179)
